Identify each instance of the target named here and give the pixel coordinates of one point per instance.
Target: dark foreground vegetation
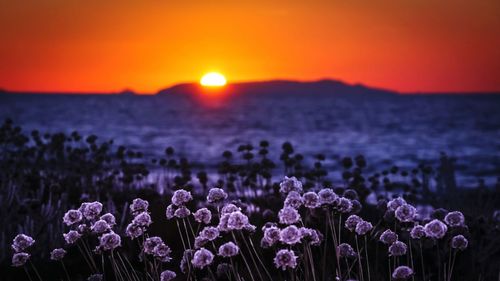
(125, 217)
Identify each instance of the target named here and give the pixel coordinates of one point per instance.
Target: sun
(213, 79)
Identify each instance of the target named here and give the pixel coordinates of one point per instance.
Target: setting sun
(213, 79)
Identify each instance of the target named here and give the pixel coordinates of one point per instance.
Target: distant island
(280, 87)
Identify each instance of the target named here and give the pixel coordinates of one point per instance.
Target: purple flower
(288, 215)
(454, 219)
(230, 208)
(327, 196)
(83, 228)
(402, 272)
(311, 200)
(345, 250)
(216, 195)
(417, 232)
(162, 252)
(294, 200)
(109, 218)
(351, 222)
(209, 233)
(395, 203)
(388, 237)
(181, 197)
(344, 205)
(71, 237)
(133, 231)
(22, 242)
(310, 235)
(109, 241)
(237, 220)
(138, 206)
(167, 275)
(100, 227)
(290, 235)
(397, 249)
(405, 213)
(223, 223)
(91, 210)
(271, 235)
(363, 227)
(228, 249)
(285, 259)
(72, 216)
(170, 212)
(19, 259)
(290, 184)
(202, 258)
(459, 242)
(199, 242)
(182, 212)
(142, 219)
(150, 243)
(57, 254)
(435, 229)
(203, 215)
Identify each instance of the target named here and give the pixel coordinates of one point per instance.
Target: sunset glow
(105, 46)
(213, 79)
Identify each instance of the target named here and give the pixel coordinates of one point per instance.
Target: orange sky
(95, 45)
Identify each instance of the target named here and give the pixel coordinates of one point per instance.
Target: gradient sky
(95, 45)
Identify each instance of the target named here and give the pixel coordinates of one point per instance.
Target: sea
(402, 130)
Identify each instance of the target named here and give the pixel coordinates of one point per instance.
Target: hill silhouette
(281, 87)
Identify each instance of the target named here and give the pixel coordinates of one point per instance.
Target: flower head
(293, 199)
(351, 222)
(138, 206)
(230, 208)
(327, 196)
(167, 275)
(202, 258)
(19, 259)
(454, 219)
(109, 218)
(57, 254)
(181, 197)
(170, 211)
(285, 259)
(397, 249)
(182, 212)
(288, 215)
(345, 250)
(405, 213)
(313, 236)
(91, 210)
(133, 230)
(228, 249)
(271, 235)
(435, 229)
(344, 205)
(21, 242)
(290, 184)
(388, 237)
(459, 242)
(109, 241)
(209, 233)
(72, 216)
(311, 200)
(150, 243)
(417, 232)
(142, 219)
(363, 227)
(162, 252)
(395, 203)
(402, 273)
(71, 237)
(100, 227)
(216, 195)
(203, 215)
(237, 220)
(290, 235)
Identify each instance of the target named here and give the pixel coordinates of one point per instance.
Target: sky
(108, 46)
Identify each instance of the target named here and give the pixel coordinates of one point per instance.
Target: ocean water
(388, 130)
